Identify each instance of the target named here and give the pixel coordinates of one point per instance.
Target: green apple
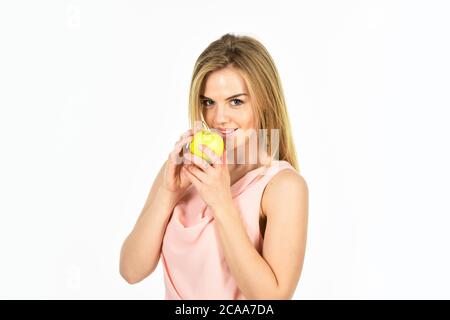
(211, 139)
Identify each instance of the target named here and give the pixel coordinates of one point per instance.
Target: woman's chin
(233, 145)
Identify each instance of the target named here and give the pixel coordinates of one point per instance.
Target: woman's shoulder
(284, 180)
(286, 185)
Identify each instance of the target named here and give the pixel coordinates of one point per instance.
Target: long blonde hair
(260, 74)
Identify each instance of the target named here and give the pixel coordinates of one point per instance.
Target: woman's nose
(221, 115)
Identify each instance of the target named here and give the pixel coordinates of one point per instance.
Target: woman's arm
(275, 274)
(141, 250)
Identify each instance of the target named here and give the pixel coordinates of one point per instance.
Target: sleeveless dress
(193, 262)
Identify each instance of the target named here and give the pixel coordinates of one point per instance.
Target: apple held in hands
(211, 139)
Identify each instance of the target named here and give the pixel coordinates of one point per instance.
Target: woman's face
(226, 106)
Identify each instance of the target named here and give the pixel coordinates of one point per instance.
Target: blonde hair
(260, 74)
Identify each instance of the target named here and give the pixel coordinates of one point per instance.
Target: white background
(93, 95)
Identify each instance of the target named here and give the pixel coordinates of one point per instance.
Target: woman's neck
(238, 168)
(237, 171)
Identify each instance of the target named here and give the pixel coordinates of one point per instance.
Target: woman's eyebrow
(233, 96)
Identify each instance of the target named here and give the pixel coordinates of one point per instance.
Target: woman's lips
(226, 132)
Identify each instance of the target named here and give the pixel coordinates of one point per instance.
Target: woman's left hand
(212, 181)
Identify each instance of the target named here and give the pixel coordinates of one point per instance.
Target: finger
(188, 158)
(182, 138)
(199, 162)
(192, 178)
(186, 134)
(175, 155)
(211, 154)
(179, 145)
(199, 174)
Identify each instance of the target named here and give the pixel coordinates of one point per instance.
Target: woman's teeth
(226, 132)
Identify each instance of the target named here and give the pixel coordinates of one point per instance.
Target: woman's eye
(205, 103)
(238, 102)
(208, 103)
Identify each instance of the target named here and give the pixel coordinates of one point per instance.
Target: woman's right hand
(174, 179)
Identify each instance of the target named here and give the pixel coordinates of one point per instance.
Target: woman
(227, 229)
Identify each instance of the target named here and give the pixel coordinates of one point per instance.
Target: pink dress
(193, 262)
